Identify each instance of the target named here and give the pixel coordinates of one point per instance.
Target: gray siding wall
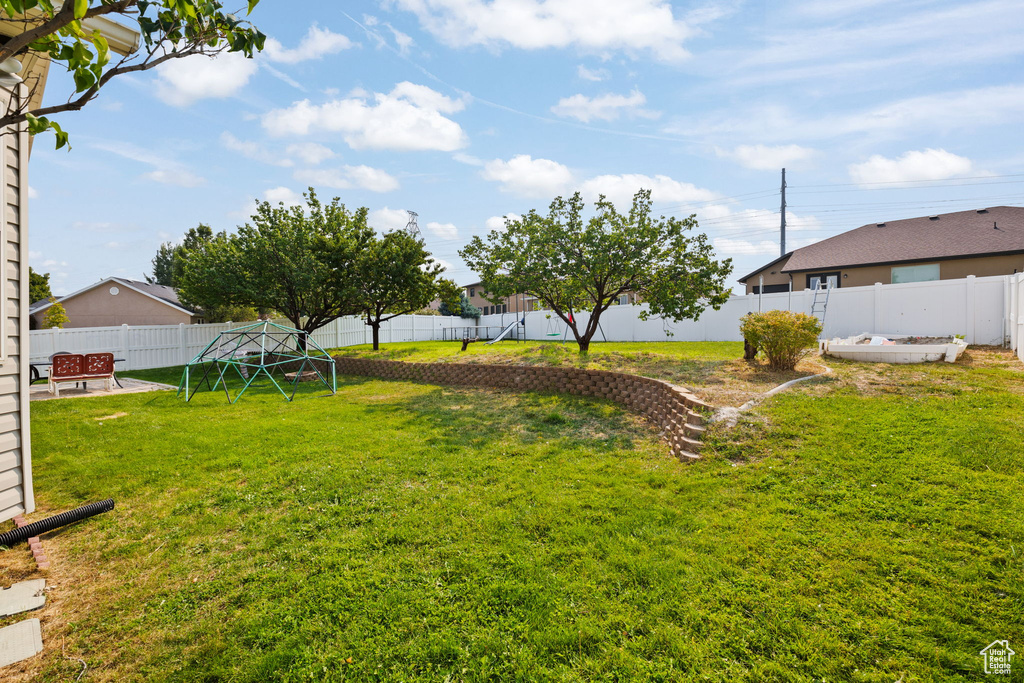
(16, 494)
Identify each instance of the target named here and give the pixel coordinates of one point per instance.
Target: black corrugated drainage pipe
(50, 523)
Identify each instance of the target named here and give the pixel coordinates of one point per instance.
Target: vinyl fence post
(183, 355)
(970, 309)
(124, 346)
(878, 309)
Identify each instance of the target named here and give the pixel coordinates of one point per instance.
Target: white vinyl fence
(158, 346)
(978, 308)
(988, 310)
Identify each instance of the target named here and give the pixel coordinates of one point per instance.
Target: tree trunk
(584, 346)
(376, 335)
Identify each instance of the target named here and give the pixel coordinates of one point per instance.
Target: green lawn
(867, 528)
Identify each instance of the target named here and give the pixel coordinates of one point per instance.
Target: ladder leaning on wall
(820, 302)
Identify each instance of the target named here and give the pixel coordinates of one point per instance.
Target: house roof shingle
(948, 235)
(960, 234)
(168, 294)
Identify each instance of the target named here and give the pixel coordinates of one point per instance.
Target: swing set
(551, 332)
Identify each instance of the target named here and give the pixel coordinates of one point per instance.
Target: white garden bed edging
(897, 353)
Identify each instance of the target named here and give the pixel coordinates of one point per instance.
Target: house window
(922, 273)
(816, 280)
(624, 299)
(472, 291)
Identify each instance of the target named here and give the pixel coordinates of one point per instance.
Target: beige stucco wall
(97, 307)
(952, 269)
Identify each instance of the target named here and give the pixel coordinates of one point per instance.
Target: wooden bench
(73, 367)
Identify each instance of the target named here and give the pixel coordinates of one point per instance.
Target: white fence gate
(986, 310)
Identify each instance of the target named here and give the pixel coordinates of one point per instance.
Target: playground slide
(504, 332)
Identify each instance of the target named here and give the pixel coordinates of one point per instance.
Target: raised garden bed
(885, 348)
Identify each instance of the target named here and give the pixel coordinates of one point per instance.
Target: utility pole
(412, 227)
(782, 227)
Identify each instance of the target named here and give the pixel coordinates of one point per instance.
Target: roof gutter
(122, 39)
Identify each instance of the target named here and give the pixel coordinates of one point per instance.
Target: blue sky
(469, 110)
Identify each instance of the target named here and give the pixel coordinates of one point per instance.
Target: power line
(938, 182)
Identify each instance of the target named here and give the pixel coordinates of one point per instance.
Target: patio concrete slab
(22, 596)
(20, 641)
(39, 392)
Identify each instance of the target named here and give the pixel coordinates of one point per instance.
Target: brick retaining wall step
(668, 406)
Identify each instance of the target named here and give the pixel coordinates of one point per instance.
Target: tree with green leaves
(573, 264)
(38, 286)
(464, 308)
(70, 34)
(169, 264)
(56, 315)
(299, 261)
(163, 265)
(170, 259)
(395, 276)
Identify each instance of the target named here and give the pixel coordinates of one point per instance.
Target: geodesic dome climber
(239, 356)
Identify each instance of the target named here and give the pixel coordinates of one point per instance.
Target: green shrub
(783, 337)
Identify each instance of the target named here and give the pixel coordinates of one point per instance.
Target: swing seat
(554, 334)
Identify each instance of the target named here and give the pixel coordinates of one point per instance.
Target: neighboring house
(16, 493)
(943, 247)
(518, 302)
(119, 301)
(477, 295)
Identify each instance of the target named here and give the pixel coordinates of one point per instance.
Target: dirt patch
(111, 417)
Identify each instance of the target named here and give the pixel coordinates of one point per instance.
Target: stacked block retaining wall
(669, 407)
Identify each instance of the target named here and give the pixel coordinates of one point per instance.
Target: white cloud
(253, 150)
(350, 177)
(467, 159)
(311, 153)
(167, 171)
(32, 193)
(410, 117)
(619, 189)
(446, 265)
(930, 164)
(543, 178)
(445, 231)
(768, 158)
(317, 43)
(529, 177)
(938, 112)
(386, 220)
(180, 82)
(283, 195)
(606, 107)
(176, 176)
(725, 246)
(402, 40)
(593, 74)
(632, 26)
(498, 222)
